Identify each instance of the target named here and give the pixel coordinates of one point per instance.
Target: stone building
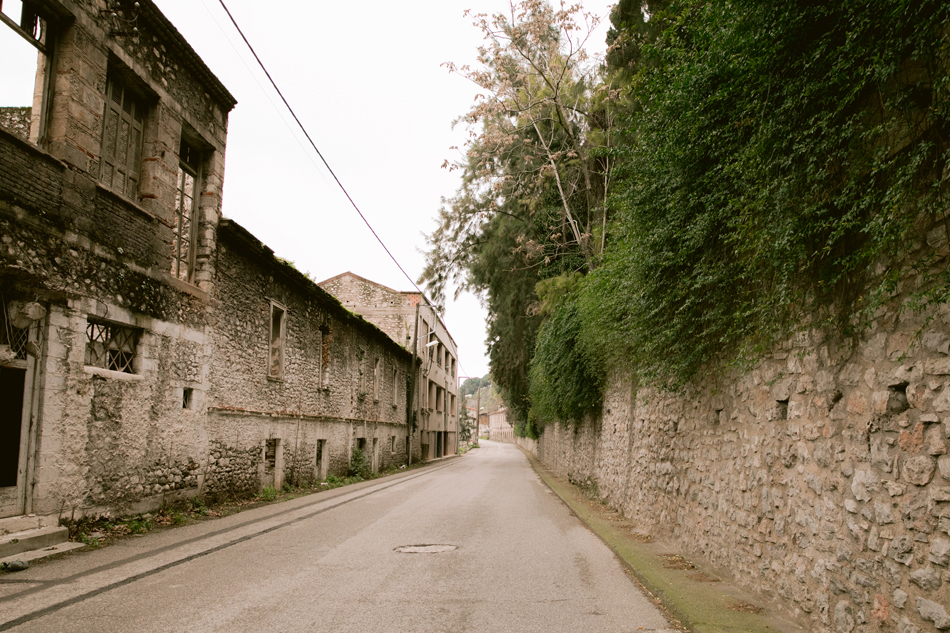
(401, 314)
(148, 348)
(499, 428)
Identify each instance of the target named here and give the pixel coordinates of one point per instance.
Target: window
(121, 139)
(25, 49)
(111, 346)
(278, 318)
(395, 378)
(376, 376)
(392, 444)
(324, 356)
(270, 455)
(183, 238)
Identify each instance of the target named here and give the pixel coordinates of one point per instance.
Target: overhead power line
(315, 148)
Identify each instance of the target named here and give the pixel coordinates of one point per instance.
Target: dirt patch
(639, 537)
(745, 607)
(675, 561)
(702, 577)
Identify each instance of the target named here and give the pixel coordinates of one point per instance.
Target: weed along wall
(820, 479)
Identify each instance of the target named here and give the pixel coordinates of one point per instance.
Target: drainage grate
(425, 549)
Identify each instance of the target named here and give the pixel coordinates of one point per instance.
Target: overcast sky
(365, 79)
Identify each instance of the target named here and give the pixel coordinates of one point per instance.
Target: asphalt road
(517, 561)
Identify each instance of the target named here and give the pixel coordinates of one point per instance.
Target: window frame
(108, 357)
(377, 375)
(134, 116)
(189, 165)
(281, 346)
(395, 385)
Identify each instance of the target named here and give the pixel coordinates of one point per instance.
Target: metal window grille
(15, 337)
(111, 346)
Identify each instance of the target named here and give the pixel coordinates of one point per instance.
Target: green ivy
(780, 158)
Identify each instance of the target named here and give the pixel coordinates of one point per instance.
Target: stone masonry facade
(149, 349)
(401, 315)
(820, 479)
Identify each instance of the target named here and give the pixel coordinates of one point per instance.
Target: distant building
(499, 429)
(411, 321)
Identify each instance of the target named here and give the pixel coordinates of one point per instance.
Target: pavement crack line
(145, 574)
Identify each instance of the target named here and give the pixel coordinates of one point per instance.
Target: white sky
(365, 79)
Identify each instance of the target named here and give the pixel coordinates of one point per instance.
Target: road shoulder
(700, 600)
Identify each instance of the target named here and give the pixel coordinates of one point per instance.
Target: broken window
(122, 139)
(24, 73)
(278, 318)
(270, 455)
(183, 239)
(111, 346)
(13, 339)
(377, 372)
(395, 377)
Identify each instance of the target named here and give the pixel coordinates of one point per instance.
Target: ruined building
(402, 315)
(148, 348)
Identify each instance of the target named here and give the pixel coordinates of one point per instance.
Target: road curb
(700, 601)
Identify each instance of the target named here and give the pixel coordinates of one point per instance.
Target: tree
(535, 170)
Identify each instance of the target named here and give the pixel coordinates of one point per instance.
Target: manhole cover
(425, 549)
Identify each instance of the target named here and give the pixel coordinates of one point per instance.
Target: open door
(17, 373)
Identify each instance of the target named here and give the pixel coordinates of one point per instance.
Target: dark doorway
(12, 380)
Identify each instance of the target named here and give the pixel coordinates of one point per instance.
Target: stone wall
(16, 121)
(194, 410)
(820, 479)
(390, 310)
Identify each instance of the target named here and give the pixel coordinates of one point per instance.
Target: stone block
(899, 598)
(934, 441)
(928, 578)
(906, 626)
(944, 464)
(918, 470)
(933, 612)
(941, 403)
(937, 366)
(939, 552)
(936, 341)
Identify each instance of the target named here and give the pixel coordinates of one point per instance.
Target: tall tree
(534, 176)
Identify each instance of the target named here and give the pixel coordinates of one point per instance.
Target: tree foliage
(470, 385)
(742, 169)
(779, 159)
(533, 179)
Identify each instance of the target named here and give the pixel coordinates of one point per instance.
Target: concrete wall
(819, 480)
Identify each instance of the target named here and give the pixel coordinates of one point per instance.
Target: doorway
(19, 344)
(12, 383)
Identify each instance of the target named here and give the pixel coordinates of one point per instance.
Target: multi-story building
(411, 321)
(150, 350)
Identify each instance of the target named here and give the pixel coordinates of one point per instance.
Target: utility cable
(314, 145)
